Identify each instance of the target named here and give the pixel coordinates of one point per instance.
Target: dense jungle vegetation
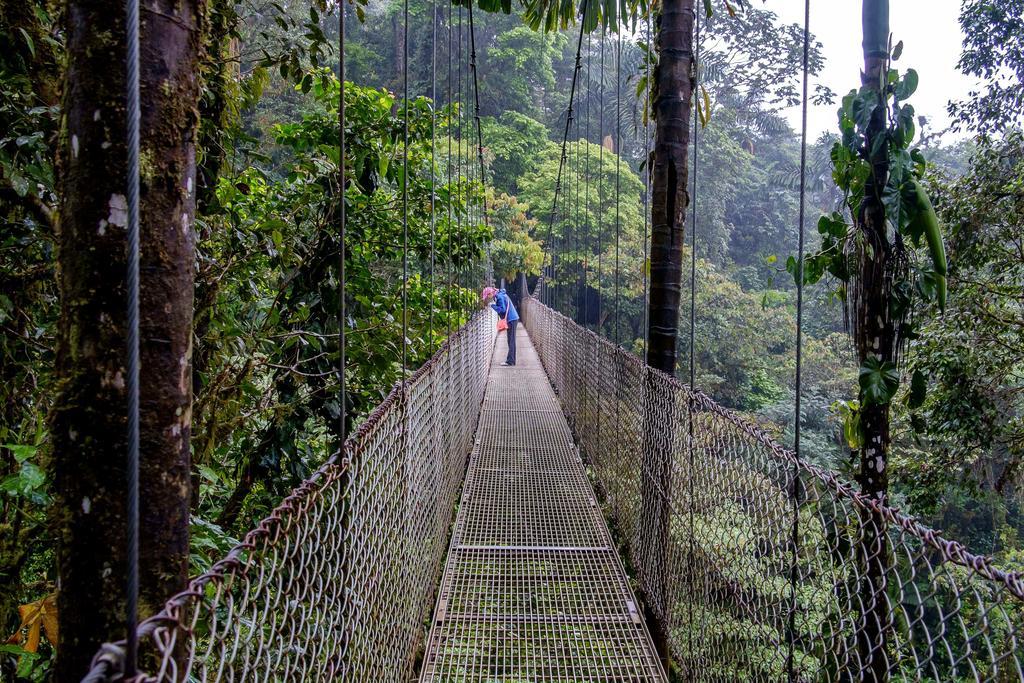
(266, 273)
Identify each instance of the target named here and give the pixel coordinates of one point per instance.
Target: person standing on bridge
(503, 305)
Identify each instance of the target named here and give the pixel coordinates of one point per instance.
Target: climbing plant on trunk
(870, 249)
(89, 417)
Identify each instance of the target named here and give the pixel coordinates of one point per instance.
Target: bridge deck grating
(533, 589)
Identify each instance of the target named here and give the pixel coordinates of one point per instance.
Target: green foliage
(267, 387)
(514, 142)
(994, 54)
(879, 381)
(971, 418)
(911, 220)
(30, 54)
(520, 74)
(513, 250)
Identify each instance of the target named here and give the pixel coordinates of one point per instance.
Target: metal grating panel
(533, 589)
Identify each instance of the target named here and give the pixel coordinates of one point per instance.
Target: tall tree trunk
(89, 418)
(673, 94)
(875, 339)
(673, 83)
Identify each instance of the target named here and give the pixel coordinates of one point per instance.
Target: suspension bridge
(751, 562)
(578, 517)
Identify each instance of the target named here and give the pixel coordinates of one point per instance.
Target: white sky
(932, 42)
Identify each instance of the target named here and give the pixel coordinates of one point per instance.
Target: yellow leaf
(37, 617)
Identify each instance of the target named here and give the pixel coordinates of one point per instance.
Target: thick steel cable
(132, 383)
(577, 308)
(565, 138)
(433, 172)
(795, 489)
(600, 192)
(448, 193)
(476, 116)
(693, 306)
(345, 479)
(405, 191)
(647, 174)
(586, 181)
(617, 149)
(342, 310)
(460, 185)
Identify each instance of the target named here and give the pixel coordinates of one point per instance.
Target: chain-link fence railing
(757, 566)
(338, 582)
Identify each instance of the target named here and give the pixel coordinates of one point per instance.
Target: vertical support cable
(433, 171)
(586, 183)
(795, 491)
(450, 125)
(458, 170)
(132, 384)
(648, 105)
(617, 149)
(693, 322)
(405, 190)
(565, 138)
(345, 482)
(576, 221)
(342, 310)
(600, 196)
(476, 117)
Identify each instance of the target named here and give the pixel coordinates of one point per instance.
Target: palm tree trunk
(673, 95)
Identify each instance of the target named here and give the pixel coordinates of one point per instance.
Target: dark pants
(511, 335)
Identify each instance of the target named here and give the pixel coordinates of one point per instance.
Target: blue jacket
(501, 303)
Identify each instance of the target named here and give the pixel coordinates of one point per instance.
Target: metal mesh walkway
(533, 589)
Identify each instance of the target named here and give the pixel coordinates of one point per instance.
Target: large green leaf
(879, 381)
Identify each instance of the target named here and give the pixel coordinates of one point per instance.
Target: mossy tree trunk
(89, 419)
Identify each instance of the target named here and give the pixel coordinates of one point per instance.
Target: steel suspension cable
(648, 105)
(693, 302)
(795, 489)
(476, 116)
(458, 164)
(405, 190)
(448, 226)
(577, 308)
(600, 190)
(132, 383)
(586, 180)
(617, 148)
(565, 138)
(342, 272)
(433, 171)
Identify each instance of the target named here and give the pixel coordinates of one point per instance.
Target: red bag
(503, 321)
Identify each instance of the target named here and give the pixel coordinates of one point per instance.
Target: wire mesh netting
(757, 565)
(339, 581)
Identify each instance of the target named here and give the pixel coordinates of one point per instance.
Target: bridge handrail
(186, 637)
(767, 589)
